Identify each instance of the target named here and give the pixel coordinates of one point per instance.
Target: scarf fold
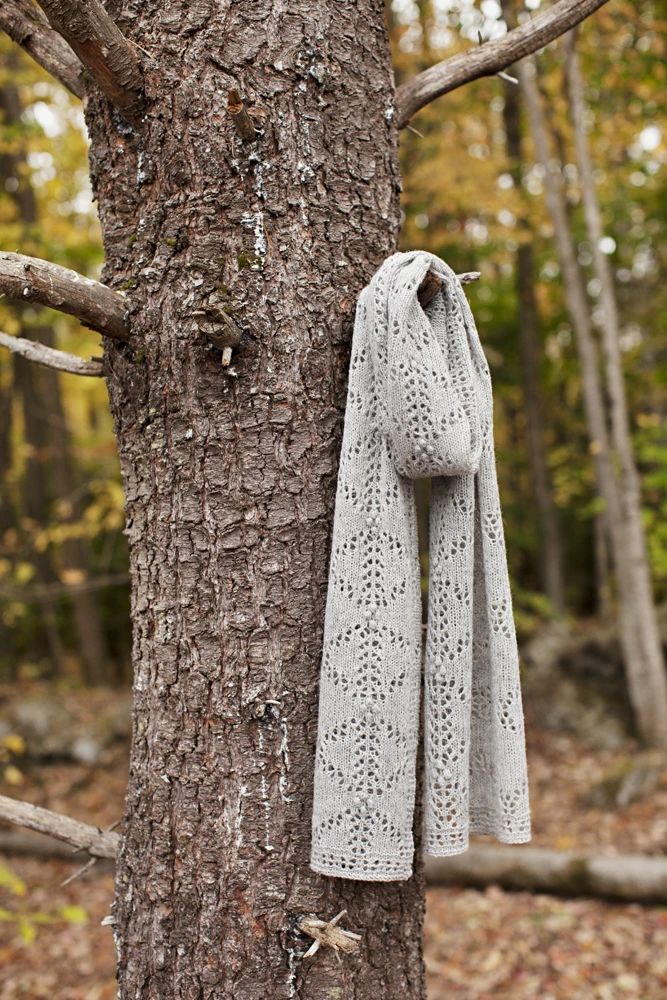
(419, 404)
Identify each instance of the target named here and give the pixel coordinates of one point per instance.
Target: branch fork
(491, 58)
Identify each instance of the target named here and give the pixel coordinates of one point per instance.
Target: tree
(46, 433)
(528, 319)
(244, 162)
(610, 444)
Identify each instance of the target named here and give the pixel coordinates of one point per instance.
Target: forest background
(471, 198)
(63, 582)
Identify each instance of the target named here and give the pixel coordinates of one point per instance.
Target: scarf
(419, 405)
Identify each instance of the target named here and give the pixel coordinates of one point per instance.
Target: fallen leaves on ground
(489, 945)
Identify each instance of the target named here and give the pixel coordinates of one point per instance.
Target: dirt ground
(479, 945)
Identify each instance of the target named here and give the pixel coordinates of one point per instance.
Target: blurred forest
(474, 193)
(468, 197)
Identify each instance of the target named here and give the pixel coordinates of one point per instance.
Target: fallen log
(631, 877)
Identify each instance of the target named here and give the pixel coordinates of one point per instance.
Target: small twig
(501, 73)
(327, 934)
(242, 121)
(416, 131)
(79, 872)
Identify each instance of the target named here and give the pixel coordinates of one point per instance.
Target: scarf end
(366, 869)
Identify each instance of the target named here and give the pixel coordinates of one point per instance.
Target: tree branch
(490, 58)
(49, 356)
(103, 50)
(98, 843)
(30, 279)
(27, 26)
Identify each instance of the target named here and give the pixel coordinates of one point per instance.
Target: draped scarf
(419, 405)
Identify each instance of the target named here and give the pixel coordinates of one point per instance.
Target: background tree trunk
(551, 554)
(647, 684)
(638, 570)
(50, 472)
(229, 480)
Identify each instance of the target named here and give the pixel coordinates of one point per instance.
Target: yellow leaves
(649, 420)
(12, 775)
(72, 576)
(11, 882)
(23, 573)
(11, 745)
(28, 921)
(13, 742)
(63, 509)
(74, 914)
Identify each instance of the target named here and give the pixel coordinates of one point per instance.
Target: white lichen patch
(306, 173)
(283, 782)
(254, 221)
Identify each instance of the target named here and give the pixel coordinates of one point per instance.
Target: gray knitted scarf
(419, 404)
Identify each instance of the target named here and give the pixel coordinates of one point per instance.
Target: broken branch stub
(219, 327)
(327, 934)
(432, 284)
(241, 119)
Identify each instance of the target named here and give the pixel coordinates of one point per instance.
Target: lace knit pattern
(419, 404)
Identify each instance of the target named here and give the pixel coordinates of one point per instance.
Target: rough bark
(647, 683)
(491, 57)
(109, 58)
(551, 556)
(229, 479)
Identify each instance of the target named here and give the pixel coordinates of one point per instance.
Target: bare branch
(30, 279)
(98, 843)
(104, 51)
(50, 357)
(27, 26)
(490, 58)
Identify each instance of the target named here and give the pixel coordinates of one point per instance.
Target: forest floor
(479, 945)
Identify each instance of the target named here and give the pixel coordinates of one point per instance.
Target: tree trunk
(229, 478)
(51, 473)
(551, 555)
(647, 684)
(638, 570)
